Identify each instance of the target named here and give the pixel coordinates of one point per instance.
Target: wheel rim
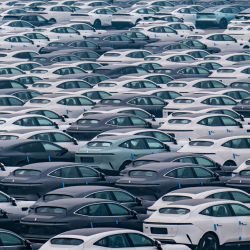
(209, 243)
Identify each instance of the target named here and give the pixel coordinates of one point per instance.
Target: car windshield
(27, 172)
(51, 210)
(66, 241)
(174, 210)
(142, 173)
(99, 144)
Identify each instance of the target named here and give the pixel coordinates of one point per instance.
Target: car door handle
(242, 223)
(218, 225)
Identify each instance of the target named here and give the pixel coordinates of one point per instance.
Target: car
(193, 126)
(108, 238)
(120, 151)
(228, 151)
(38, 20)
(13, 241)
(88, 127)
(47, 176)
(240, 179)
(21, 152)
(81, 213)
(225, 193)
(151, 104)
(99, 192)
(153, 180)
(218, 16)
(210, 223)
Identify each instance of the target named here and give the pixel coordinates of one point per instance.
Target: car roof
(195, 202)
(196, 190)
(90, 231)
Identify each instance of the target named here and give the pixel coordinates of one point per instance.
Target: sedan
(61, 215)
(155, 179)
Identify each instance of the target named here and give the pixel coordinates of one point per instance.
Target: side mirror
(4, 214)
(102, 176)
(240, 125)
(158, 245)
(132, 41)
(63, 118)
(2, 167)
(242, 118)
(174, 141)
(75, 141)
(153, 118)
(13, 201)
(134, 214)
(167, 148)
(147, 37)
(138, 201)
(27, 243)
(56, 125)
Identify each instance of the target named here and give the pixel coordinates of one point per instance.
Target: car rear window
(27, 172)
(173, 210)
(88, 121)
(99, 144)
(43, 101)
(201, 143)
(66, 241)
(173, 198)
(245, 173)
(179, 121)
(142, 173)
(51, 210)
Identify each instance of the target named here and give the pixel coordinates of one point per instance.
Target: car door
(224, 223)
(122, 217)
(11, 242)
(242, 213)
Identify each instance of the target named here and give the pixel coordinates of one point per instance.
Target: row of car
(124, 124)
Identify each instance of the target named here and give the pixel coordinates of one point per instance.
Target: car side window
(122, 197)
(87, 172)
(238, 196)
(106, 195)
(117, 241)
(67, 172)
(134, 144)
(217, 211)
(49, 147)
(117, 210)
(94, 210)
(140, 240)
(182, 173)
(240, 210)
(138, 121)
(8, 240)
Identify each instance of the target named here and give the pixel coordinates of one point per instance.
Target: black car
(117, 41)
(61, 215)
(22, 152)
(243, 108)
(88, 127)
(67, 55)
(241, 180)
(153, 180)
(115, 71)
(151, 104)
(97, 192)
(37, 20)
(34, 180)
(75, 44)
(11, 241)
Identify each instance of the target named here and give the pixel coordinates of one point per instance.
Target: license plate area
(158, 230)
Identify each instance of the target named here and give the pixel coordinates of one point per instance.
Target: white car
(106, 239)
(160, 135)
(9, 122)
(206, 192)
(69, 105)
(58, 137)
(13, 206)
(98, 17)
(198, 100)
(230, 151)
(222, 41)
(16, 26)
(201, 223)
(244, 165)
(192, 126)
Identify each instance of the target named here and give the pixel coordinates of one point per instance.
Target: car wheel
(97, 24)
(229, 163)
(223, 23)
(208, 242)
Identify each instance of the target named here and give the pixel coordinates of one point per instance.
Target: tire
(223, 23)
(97, 24)
(209, 241)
